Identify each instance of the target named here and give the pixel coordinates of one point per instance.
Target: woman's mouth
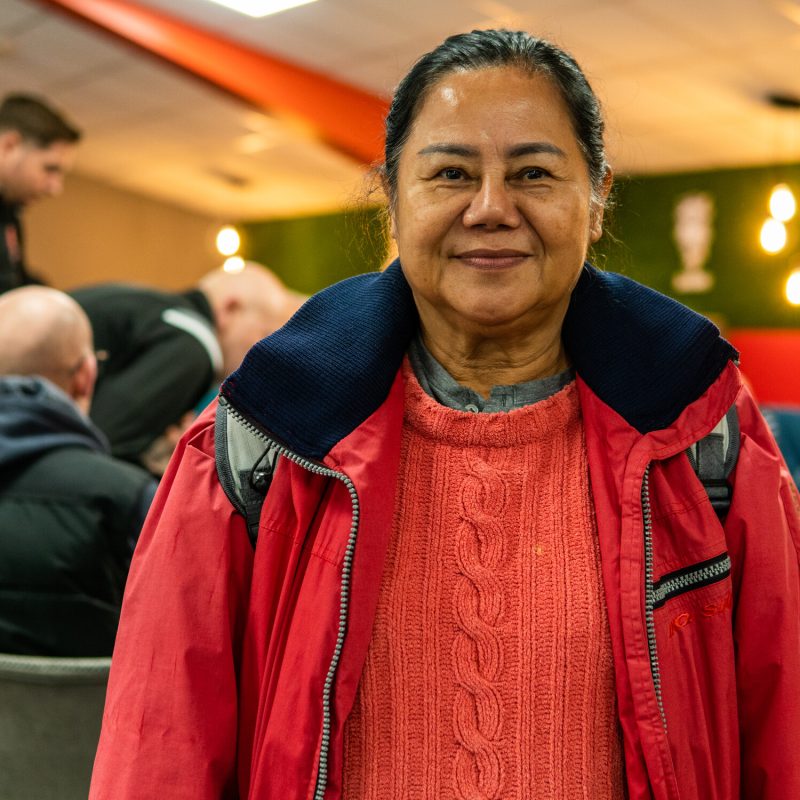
(492, 259)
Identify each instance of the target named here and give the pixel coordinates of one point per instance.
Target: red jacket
(234, 671)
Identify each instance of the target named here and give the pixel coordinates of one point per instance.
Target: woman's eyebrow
(449, 149)
(533, 148)
(465, 151)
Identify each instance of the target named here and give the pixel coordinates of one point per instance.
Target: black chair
(50, 715)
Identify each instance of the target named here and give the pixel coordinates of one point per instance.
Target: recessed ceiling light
(790, 102)
(260, 8)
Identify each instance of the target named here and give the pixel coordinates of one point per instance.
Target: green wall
(749, 284)
(313, 252)
(310, 253)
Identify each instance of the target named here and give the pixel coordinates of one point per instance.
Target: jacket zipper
(344, 597)
(669, 586)
(649, 593)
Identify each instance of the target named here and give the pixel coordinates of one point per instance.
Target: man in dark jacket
(70, 514)
(37, 149)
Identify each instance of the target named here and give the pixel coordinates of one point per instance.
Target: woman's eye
(451, 173)
(534, 173)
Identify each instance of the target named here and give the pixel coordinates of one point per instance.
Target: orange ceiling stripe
(346, 117)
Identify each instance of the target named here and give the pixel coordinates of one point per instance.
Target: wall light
(793, 287)
(260, 8)
(233, 264)
(228, 240)
(782, 204)
(773, 235)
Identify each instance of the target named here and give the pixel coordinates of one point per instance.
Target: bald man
(163, 352)
(70, 514)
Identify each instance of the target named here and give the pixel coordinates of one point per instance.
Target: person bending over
(161, 352)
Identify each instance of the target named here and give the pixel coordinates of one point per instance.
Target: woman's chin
(481, 316)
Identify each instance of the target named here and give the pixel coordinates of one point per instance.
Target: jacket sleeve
(763, 531)
(170, 722)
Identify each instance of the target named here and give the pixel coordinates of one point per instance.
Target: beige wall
(94, 232)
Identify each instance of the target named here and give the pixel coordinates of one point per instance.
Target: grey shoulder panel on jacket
(246, 460)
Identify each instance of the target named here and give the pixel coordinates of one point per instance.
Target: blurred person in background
(37, 149)
(784, 422)
(485, 566)
(70, 514)
(161, 352)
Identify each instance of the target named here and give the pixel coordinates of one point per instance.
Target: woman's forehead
(498, 103)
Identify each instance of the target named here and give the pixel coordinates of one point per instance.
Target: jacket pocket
(704, 573)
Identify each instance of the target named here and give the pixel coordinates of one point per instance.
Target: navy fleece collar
(316, 379)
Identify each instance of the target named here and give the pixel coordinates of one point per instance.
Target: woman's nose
(492, 205)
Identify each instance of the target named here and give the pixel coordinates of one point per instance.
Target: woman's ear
(382, 182)
(598, 206)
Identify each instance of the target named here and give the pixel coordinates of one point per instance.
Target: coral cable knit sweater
(489, 673)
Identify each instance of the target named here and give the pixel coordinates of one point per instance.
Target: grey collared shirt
(437, 382)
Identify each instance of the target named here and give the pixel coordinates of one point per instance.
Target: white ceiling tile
(724, 25)
(65, 49)
(16, 15)
(343, 27)
(616, 38)
(15, 76)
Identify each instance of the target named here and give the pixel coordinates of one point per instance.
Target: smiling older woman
(485, 566)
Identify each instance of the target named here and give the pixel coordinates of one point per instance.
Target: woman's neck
(481, 362)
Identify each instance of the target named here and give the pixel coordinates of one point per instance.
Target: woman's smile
(487, 259)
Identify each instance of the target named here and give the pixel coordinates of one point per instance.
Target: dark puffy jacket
(69, 517)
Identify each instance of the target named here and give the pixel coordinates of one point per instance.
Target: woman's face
(493, 213)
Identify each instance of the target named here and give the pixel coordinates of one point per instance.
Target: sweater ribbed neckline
(546, 419)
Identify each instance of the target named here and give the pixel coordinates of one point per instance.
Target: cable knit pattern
(477, 648)
(489, 674)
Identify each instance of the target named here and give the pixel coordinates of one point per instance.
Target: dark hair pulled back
(497, 48)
